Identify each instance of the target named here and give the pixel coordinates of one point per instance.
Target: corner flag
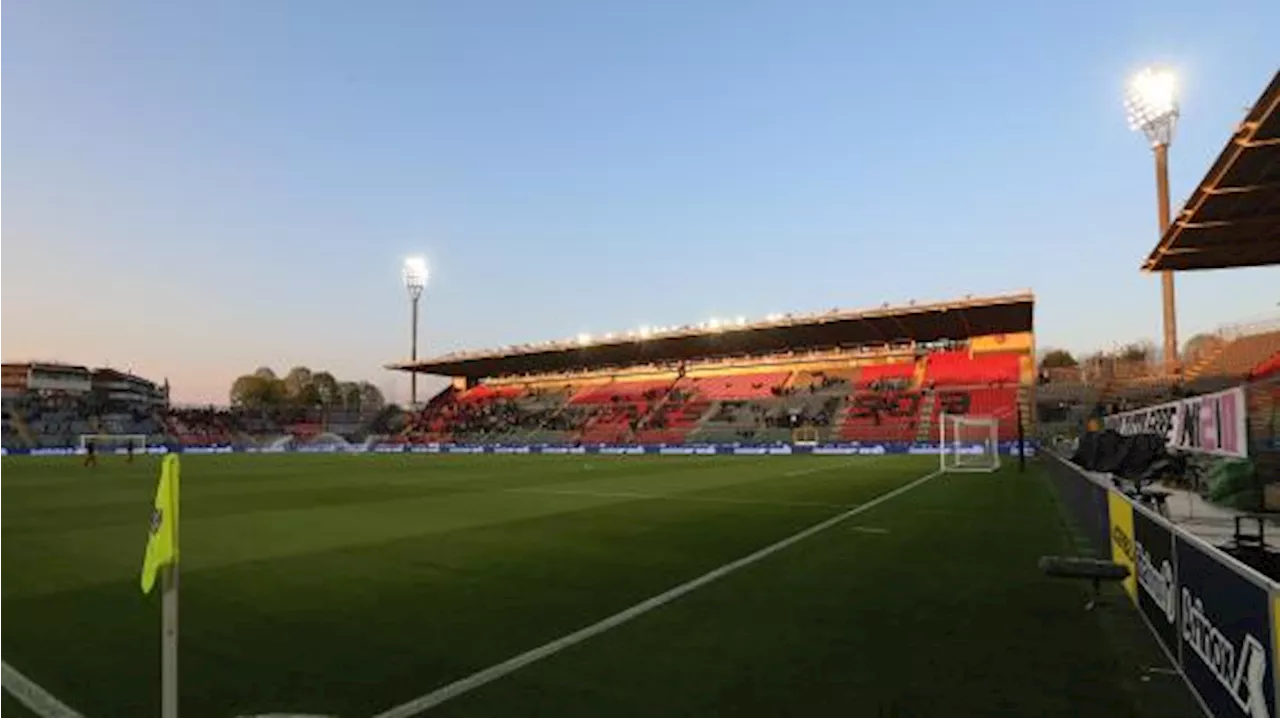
(162, 551)
(162, 544)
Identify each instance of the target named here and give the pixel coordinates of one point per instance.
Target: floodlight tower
(414, 274)
(1151, 103)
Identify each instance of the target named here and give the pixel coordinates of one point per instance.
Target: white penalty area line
(35, 698)
(673, 497)
(426, 702)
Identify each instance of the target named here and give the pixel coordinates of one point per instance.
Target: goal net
(114, 443)
(968, 443)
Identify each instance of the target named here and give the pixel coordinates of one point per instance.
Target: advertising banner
(781, 449)
(1227, 652)
(1145, 546)
(1206, 424)
(1120, 512)
(1157, 577)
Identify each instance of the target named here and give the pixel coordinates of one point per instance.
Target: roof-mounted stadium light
(414, 274)
(1151, 104)
(584, 339)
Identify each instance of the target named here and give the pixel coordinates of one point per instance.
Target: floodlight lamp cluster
(715, 324)
(1151, 104)
(415, 275)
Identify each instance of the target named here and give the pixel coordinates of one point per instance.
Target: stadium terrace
(880, 375)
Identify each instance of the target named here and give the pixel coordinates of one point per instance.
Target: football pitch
(362, 585)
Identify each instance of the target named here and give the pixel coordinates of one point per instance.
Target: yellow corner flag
(162, 543)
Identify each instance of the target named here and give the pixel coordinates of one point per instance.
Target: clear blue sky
(193, 189)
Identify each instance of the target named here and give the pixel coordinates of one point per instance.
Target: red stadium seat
(958, 368)
(738, 386)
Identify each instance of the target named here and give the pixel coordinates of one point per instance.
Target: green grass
(344, 585)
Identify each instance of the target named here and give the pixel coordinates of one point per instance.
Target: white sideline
(35, 698)
(492, 673)
(674, 497)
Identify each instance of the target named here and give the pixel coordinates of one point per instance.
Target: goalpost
(110, 443)
(968, 443)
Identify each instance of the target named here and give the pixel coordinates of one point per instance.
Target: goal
(805, 436)
(115, 443)
(968, 443)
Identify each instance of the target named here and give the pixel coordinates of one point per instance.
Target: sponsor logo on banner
(195, 450)
(62, 451)
(1224, 634)
(835, 450)
(676, 451)
(749, 450)
(1123, 551)
(388, 448)
(1240, 669)
(1208, 424)
(780, 451)
(1158, 583)
(511, 450)
(1153, 558)
(1153, 574)
(877, 450)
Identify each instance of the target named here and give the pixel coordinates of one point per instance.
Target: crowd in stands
(45, 420)
(53, 420)
(900, 399)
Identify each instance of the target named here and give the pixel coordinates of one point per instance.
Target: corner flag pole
(169, 617)
(169, 644)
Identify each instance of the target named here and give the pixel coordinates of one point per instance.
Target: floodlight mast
(414, 274)
(1151, 103)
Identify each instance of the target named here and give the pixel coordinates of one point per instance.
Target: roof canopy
(1233, 218)
(961, 319)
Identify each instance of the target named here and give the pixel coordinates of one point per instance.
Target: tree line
(303, 388)
(1199, 346)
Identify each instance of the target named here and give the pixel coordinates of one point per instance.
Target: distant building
(104, 386)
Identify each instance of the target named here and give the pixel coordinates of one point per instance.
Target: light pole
(1151, 103)
(414, 274)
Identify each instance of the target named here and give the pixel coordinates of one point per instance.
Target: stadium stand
(827, 377)
(1237, 358)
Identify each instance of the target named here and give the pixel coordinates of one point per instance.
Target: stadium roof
(960, 319)
(1233, 218)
